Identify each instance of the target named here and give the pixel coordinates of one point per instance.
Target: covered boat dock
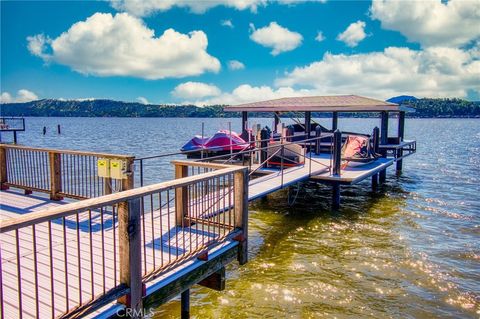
(393, 149)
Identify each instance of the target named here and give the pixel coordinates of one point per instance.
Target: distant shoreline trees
(425, 108)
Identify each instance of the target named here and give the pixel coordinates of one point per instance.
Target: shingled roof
(334, 103)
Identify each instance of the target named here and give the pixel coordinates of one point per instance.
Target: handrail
(72, 152)
(93, 203)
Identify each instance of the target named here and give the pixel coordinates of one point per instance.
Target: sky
(238, 51)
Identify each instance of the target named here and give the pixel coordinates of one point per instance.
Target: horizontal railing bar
(107, 200)
(200, 164)
(39, 149)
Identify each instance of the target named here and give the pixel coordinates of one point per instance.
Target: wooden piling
(383, 141)
(335, 195)
(185, 304)
(337, 153)
(241, 213)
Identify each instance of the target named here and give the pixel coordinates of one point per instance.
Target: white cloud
(122, 45)
(142, 100)
(22, 96)
(431, 22)
(354, 33)
(227, 23)
(246, 93)
(195, 90)
(293, 2)
(235, 65)
(278, 38)
(320, 37)
(147, 7)
(434, 72)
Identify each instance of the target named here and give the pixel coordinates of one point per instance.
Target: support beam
(276, 116)
(334, 121)
(337, 153)
(215, 281)
(336, 196)
(401, 133)
(241, 212)
(384, 140)
(185, 301)
(374, 181)
(308, 121)
(244, 122)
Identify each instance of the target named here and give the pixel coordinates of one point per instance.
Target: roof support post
(383, 140)
(276, 116)
(334, 121)
(244, 122)
(308, 120)
(401, 133)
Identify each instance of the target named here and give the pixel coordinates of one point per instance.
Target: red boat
(220, 143)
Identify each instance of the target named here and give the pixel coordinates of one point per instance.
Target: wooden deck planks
(160, 246)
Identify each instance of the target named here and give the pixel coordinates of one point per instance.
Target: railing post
(241, 212)
(129, 182)
(3, 168)
(55, 175)
(318, 135)
(181, 196)
(337, 152)
(130, 247)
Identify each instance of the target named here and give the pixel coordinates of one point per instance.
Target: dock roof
(333, 103)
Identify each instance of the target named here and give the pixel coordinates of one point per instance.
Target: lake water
(411, 249)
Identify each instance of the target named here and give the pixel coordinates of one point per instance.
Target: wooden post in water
(241, 212)
(55, 175)
(3, 168)
(401, 133)
(383, 141)
(376, 141)
(130, 247)
(185, 304)
(181, 196)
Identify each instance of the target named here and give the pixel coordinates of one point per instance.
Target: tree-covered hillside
(109, 108)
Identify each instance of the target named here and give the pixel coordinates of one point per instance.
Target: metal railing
(61, 173)
(70, 260)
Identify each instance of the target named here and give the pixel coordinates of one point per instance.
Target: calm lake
(409, 250)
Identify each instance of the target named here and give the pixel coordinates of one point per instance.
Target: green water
(409, 250)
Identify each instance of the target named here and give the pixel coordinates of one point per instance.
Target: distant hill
(401, 99)
(109, 108)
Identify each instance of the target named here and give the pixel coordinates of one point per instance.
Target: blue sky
(182, 51)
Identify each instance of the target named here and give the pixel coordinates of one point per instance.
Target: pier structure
(13, 125)
(78, 245)
(393, 149)
(99, 242)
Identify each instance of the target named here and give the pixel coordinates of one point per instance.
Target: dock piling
(336, 196)
(185, 304)
(337, 152)
(318, 134)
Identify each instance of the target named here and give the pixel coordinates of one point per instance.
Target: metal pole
(230, 130)
(401, 133)
(308, 118)
(337, 152)
(334, 121)
(185, 304)
(203, 134)
(318, 134)
(383, 141)
(244, 122)
(277, 120)
(141, 172)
